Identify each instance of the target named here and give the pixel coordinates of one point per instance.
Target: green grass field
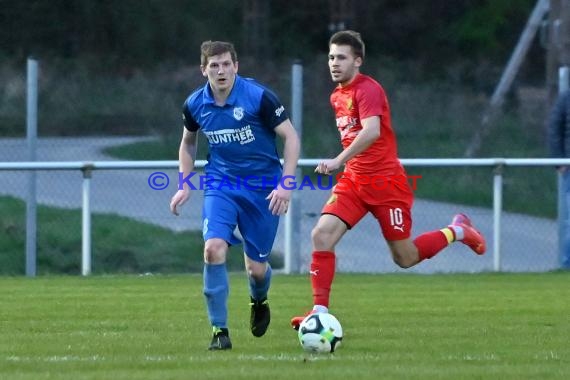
(480, 326)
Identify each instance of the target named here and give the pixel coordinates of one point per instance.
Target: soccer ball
(320, 333)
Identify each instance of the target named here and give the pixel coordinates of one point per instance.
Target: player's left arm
(370, 132)
(280, 196)
(273, 115)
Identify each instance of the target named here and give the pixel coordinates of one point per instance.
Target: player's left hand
(279, 200)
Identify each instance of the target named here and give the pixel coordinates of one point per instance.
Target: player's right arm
(368, 135)
(186, 157)
(187, 153)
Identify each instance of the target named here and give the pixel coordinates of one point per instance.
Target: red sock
(430, 244)
(322, 275)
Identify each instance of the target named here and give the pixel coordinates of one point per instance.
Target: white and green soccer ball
(320, 333)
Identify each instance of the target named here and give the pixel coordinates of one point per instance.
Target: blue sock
(258, 290)
(216, 289)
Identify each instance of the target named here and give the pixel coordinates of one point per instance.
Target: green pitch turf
(480, 326)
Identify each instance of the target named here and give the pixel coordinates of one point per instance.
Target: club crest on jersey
(238, 113)
(349, 103)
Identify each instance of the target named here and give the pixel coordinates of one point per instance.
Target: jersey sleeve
(272, 112)
(371, 100)
(189, 121)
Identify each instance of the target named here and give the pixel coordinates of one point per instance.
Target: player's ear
(203, 69)
(358, 62)
(236, 66)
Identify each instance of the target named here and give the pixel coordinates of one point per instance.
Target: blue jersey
(240, 134)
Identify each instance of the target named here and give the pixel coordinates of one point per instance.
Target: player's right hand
(179, 199)
(326, 167)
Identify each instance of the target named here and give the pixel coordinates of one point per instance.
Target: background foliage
(144, 33)
(125, 67)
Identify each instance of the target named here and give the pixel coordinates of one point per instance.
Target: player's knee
(255, 269)
(320, 236)
(404, 253)
(403, 261)
(215, 251)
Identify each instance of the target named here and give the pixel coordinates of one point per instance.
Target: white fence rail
(292, 250)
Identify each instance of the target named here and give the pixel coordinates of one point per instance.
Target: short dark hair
(211, 48)
(350, 38)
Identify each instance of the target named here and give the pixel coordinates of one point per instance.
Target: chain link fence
(139, 216)
(134, 231)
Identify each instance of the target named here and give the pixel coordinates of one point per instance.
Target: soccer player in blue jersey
(246, 184)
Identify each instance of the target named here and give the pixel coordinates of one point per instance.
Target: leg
(396, 224)
(395, 221)
(259, 275)
(259, 228)
(216, 289)
(219, 215)
(326, 234)
(216, 284)
(407, 252)
(343, 210)
(404, 252)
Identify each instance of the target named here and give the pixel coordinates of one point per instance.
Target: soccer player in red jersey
(369, 150)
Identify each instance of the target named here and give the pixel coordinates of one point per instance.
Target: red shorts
(390, 205)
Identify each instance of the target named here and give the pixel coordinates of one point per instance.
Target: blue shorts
(246, 209)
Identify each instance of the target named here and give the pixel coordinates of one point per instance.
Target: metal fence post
(86, 221)
(497, 210)
(31, 133)
(293, 216)
(563, 84)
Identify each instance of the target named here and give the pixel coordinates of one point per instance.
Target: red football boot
(296, 321)
(471, 237)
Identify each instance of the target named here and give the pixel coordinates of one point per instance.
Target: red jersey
(362, 98)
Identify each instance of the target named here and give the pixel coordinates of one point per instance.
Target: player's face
(343, 65)
(221, 72)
